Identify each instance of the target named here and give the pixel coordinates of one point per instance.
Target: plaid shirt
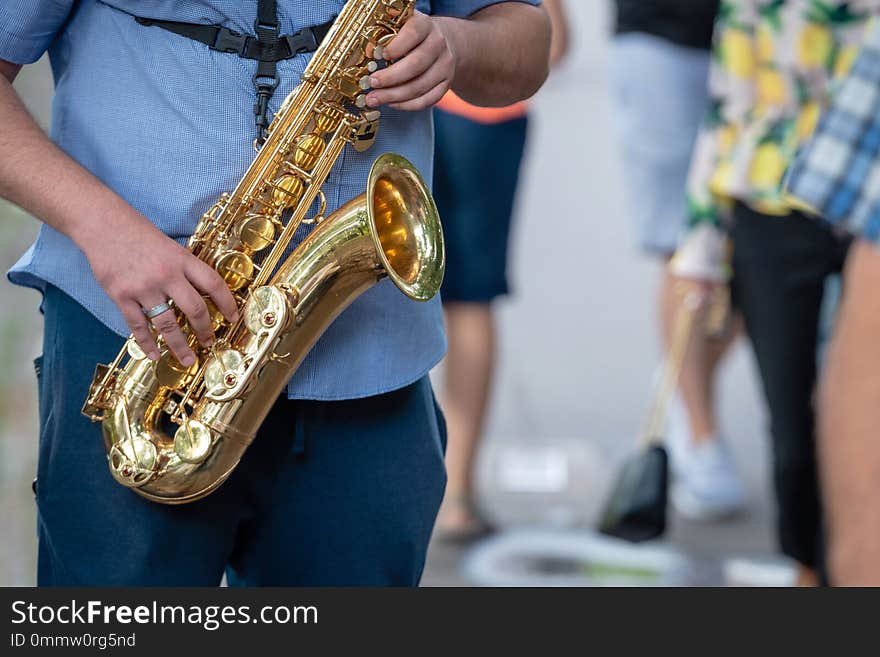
(837, 174)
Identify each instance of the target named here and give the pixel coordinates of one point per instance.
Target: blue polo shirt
(168, 124)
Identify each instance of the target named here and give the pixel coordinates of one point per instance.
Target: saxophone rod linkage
(329, 157)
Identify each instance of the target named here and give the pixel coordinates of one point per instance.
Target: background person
(835, 176)
(774, 66)
(477, 161)
(661, 54)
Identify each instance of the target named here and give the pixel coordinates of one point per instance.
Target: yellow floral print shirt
(774, 62)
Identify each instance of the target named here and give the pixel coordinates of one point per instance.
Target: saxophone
(174, 434)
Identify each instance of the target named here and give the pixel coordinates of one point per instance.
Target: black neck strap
(266, 78)
(266, 46)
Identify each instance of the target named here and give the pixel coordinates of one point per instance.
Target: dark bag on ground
(636, 509)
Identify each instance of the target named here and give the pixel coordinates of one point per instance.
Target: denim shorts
(660, 99)
(329, 493)
(476, 172)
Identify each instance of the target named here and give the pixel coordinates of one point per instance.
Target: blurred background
(578, 353)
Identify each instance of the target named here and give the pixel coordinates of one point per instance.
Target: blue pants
(330, 493)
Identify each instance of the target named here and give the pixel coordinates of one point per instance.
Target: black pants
(781, 265)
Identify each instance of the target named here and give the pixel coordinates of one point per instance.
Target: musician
(149, 126)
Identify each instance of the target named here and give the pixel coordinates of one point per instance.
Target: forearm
(43, 180)
(849, 452)
(559, 23)
(501, 53)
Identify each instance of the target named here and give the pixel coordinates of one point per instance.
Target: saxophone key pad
(219, 370)
(134, 350)
(192, 442)
(133, 461)
(264, 309)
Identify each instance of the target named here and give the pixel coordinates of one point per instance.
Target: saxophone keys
(221, 371)
(350, 82)
(288, 190)
(217, 318)
(134, 350)
(374, 41)
(308, 151)
(101, 392)
(265, 310)
(383, 40)
(395, 8)
(327, 118)
(192, 442)
(256, 231)
(133, 461)
(365, 133)
(172, 374)
(236, 268)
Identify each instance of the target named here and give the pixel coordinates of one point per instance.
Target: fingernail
(188, 361)
(209, 343)
(375, 81)
(154, 355)
(372, 101)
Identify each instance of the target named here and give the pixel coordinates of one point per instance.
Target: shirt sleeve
(837, 174)
(27, 29)
(464, 8)
(702, 247)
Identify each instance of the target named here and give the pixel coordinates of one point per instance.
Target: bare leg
(470, 362)
(701, 361)
(849, 414)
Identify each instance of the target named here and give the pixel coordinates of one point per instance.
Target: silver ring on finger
(155, 311)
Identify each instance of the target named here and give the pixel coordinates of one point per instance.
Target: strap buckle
(302, 42)
(229, 41)
(266, 78)
(265, 86)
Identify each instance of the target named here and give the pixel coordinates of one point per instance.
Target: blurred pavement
(578, 342)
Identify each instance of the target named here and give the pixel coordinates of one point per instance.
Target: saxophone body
(174, 434)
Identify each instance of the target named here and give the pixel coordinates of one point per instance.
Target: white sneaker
(706, 485)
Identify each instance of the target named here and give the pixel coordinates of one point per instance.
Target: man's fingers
(140, 329)
(412, 66)
(411, 90)
(428, 100)
(411, 35)
(166, 325)
(205, 279)
(193, 306)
